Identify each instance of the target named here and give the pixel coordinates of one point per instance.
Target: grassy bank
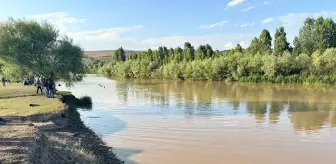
(16, 90)
(51, 132)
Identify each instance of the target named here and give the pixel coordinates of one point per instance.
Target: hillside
(104, 54)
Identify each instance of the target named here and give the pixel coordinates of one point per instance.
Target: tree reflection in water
(309, 108)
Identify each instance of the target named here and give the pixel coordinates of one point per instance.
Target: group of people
(46, 86)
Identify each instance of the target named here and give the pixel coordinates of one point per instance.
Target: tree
(265, 41)
(297, 50)
(201, 52)
(38, 48)
(316, 34)
(170, 55)
(178, 54)
(254, 47)
(280, 41)
(217, 53)
(188, 52)
(14, 72)
(325, 31)
(209, 51)
(306, 36)
(238, 48)
(150, 54)
(119, 54)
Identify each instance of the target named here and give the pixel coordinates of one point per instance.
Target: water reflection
(309, 108)
(150, 121)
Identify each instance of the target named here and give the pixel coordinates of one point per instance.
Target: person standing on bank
(51, 87)
(39, 86)
(45, 87)
(3, 81)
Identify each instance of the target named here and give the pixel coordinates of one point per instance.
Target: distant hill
(104, 54)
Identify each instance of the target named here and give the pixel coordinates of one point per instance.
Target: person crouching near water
(39, 86)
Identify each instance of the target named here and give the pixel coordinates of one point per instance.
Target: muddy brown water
(172, 122)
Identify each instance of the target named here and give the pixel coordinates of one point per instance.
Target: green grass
(15, 100)
(20, 106)
(63, 93)
(16, 90)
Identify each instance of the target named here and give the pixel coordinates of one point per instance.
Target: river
(172, 122)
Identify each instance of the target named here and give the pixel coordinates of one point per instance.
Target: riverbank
(36, 129)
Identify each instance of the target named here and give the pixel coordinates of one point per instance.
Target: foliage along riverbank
(50, 132)
(312, 59)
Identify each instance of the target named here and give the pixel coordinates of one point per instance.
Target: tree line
(33, 48)
(311, 59)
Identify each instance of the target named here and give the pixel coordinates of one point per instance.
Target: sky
(143, 24)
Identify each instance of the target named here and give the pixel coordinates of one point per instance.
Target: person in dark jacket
(3, 81)
(51, 87)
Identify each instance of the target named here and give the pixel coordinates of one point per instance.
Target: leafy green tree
(254, 47)
(217, 53)
(325, 31)
(178, 54)
(150, 54)
(15, 72)
(238, 48)
(280, 41)
(119, 54)
(38, 48)
(316, 34)
(201, 52)
(297, 46)
(209, 51)
(188, 51)
(265, 42)
(306, 36)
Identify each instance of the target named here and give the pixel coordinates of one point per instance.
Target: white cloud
(234, 3)
(248, 9)
(217, 41)
(214, 25)
(267, 2)
(293, 21)
(60, 20)
(268, 20)
(112, 38)
(103, 34)
(59, 16)
(297, 19)
(247, 25)
(101, 39)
